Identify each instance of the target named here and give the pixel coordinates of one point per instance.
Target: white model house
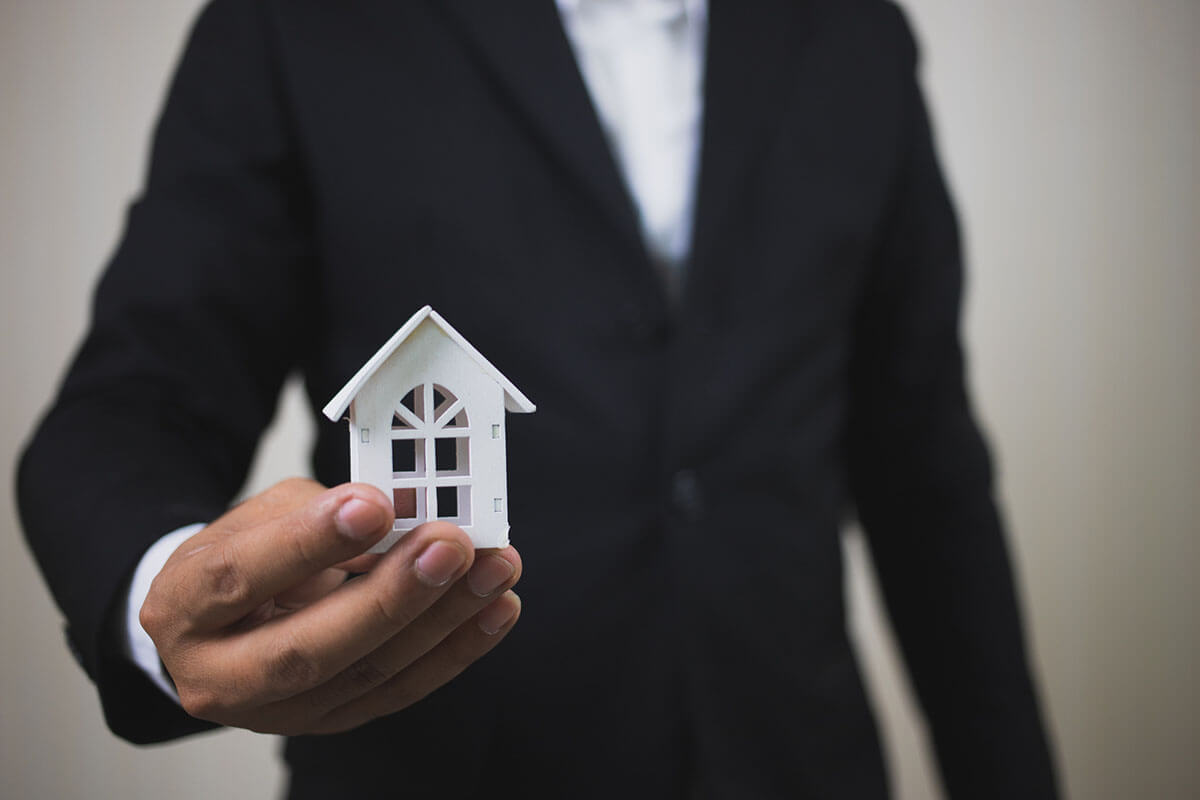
(427, 427)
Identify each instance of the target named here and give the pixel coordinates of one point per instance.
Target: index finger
(219, 583)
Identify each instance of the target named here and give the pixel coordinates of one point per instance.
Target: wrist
(137, 645)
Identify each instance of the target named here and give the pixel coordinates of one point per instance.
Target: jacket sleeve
(195, 323)
(922, 485)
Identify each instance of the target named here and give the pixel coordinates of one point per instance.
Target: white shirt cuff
(139, 647)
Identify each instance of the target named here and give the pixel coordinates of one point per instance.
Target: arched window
(431, 458)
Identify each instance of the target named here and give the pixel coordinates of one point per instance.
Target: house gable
(514, 399)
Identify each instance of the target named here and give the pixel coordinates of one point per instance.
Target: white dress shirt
(643, 63)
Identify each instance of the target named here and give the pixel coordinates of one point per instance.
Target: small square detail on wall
(498, 504)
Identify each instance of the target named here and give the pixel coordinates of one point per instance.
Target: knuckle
(283, 496)
(392, 608)
(161, 610)
(292, 489)
(302, 548)
(364, 674)
(153, 617)
(394, 601)
(202, 703)
(225, 582)
(296, 483)
(314, 538)
(291, 669)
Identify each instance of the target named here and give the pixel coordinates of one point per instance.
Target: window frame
(446, 419)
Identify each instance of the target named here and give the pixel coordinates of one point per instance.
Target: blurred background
(1070, 133)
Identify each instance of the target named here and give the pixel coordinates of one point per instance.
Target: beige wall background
(1070, 132)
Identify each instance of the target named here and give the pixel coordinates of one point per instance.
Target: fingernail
(489, 574)
(493, 618)
(358, 519)
(439, 563)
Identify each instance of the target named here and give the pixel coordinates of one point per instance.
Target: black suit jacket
(321, 170)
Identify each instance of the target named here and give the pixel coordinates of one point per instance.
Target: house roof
(514, 399)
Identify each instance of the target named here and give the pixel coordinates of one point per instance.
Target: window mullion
(449, 414)
(427, 411)
(430, 466)
(408, 417)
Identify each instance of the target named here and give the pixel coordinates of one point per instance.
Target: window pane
(443, 399)
(406, 455)
(410, 400)
(445, 454)
(452, 455)
(405, 502)
(447, 502)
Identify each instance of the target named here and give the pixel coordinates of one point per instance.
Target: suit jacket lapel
(524, 48)
(751, 43)
(522, 45)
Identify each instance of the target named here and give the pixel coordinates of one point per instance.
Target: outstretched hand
(258, 627)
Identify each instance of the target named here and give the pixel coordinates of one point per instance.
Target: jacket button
(686, 494)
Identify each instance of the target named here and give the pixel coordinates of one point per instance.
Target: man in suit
(726, 361)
